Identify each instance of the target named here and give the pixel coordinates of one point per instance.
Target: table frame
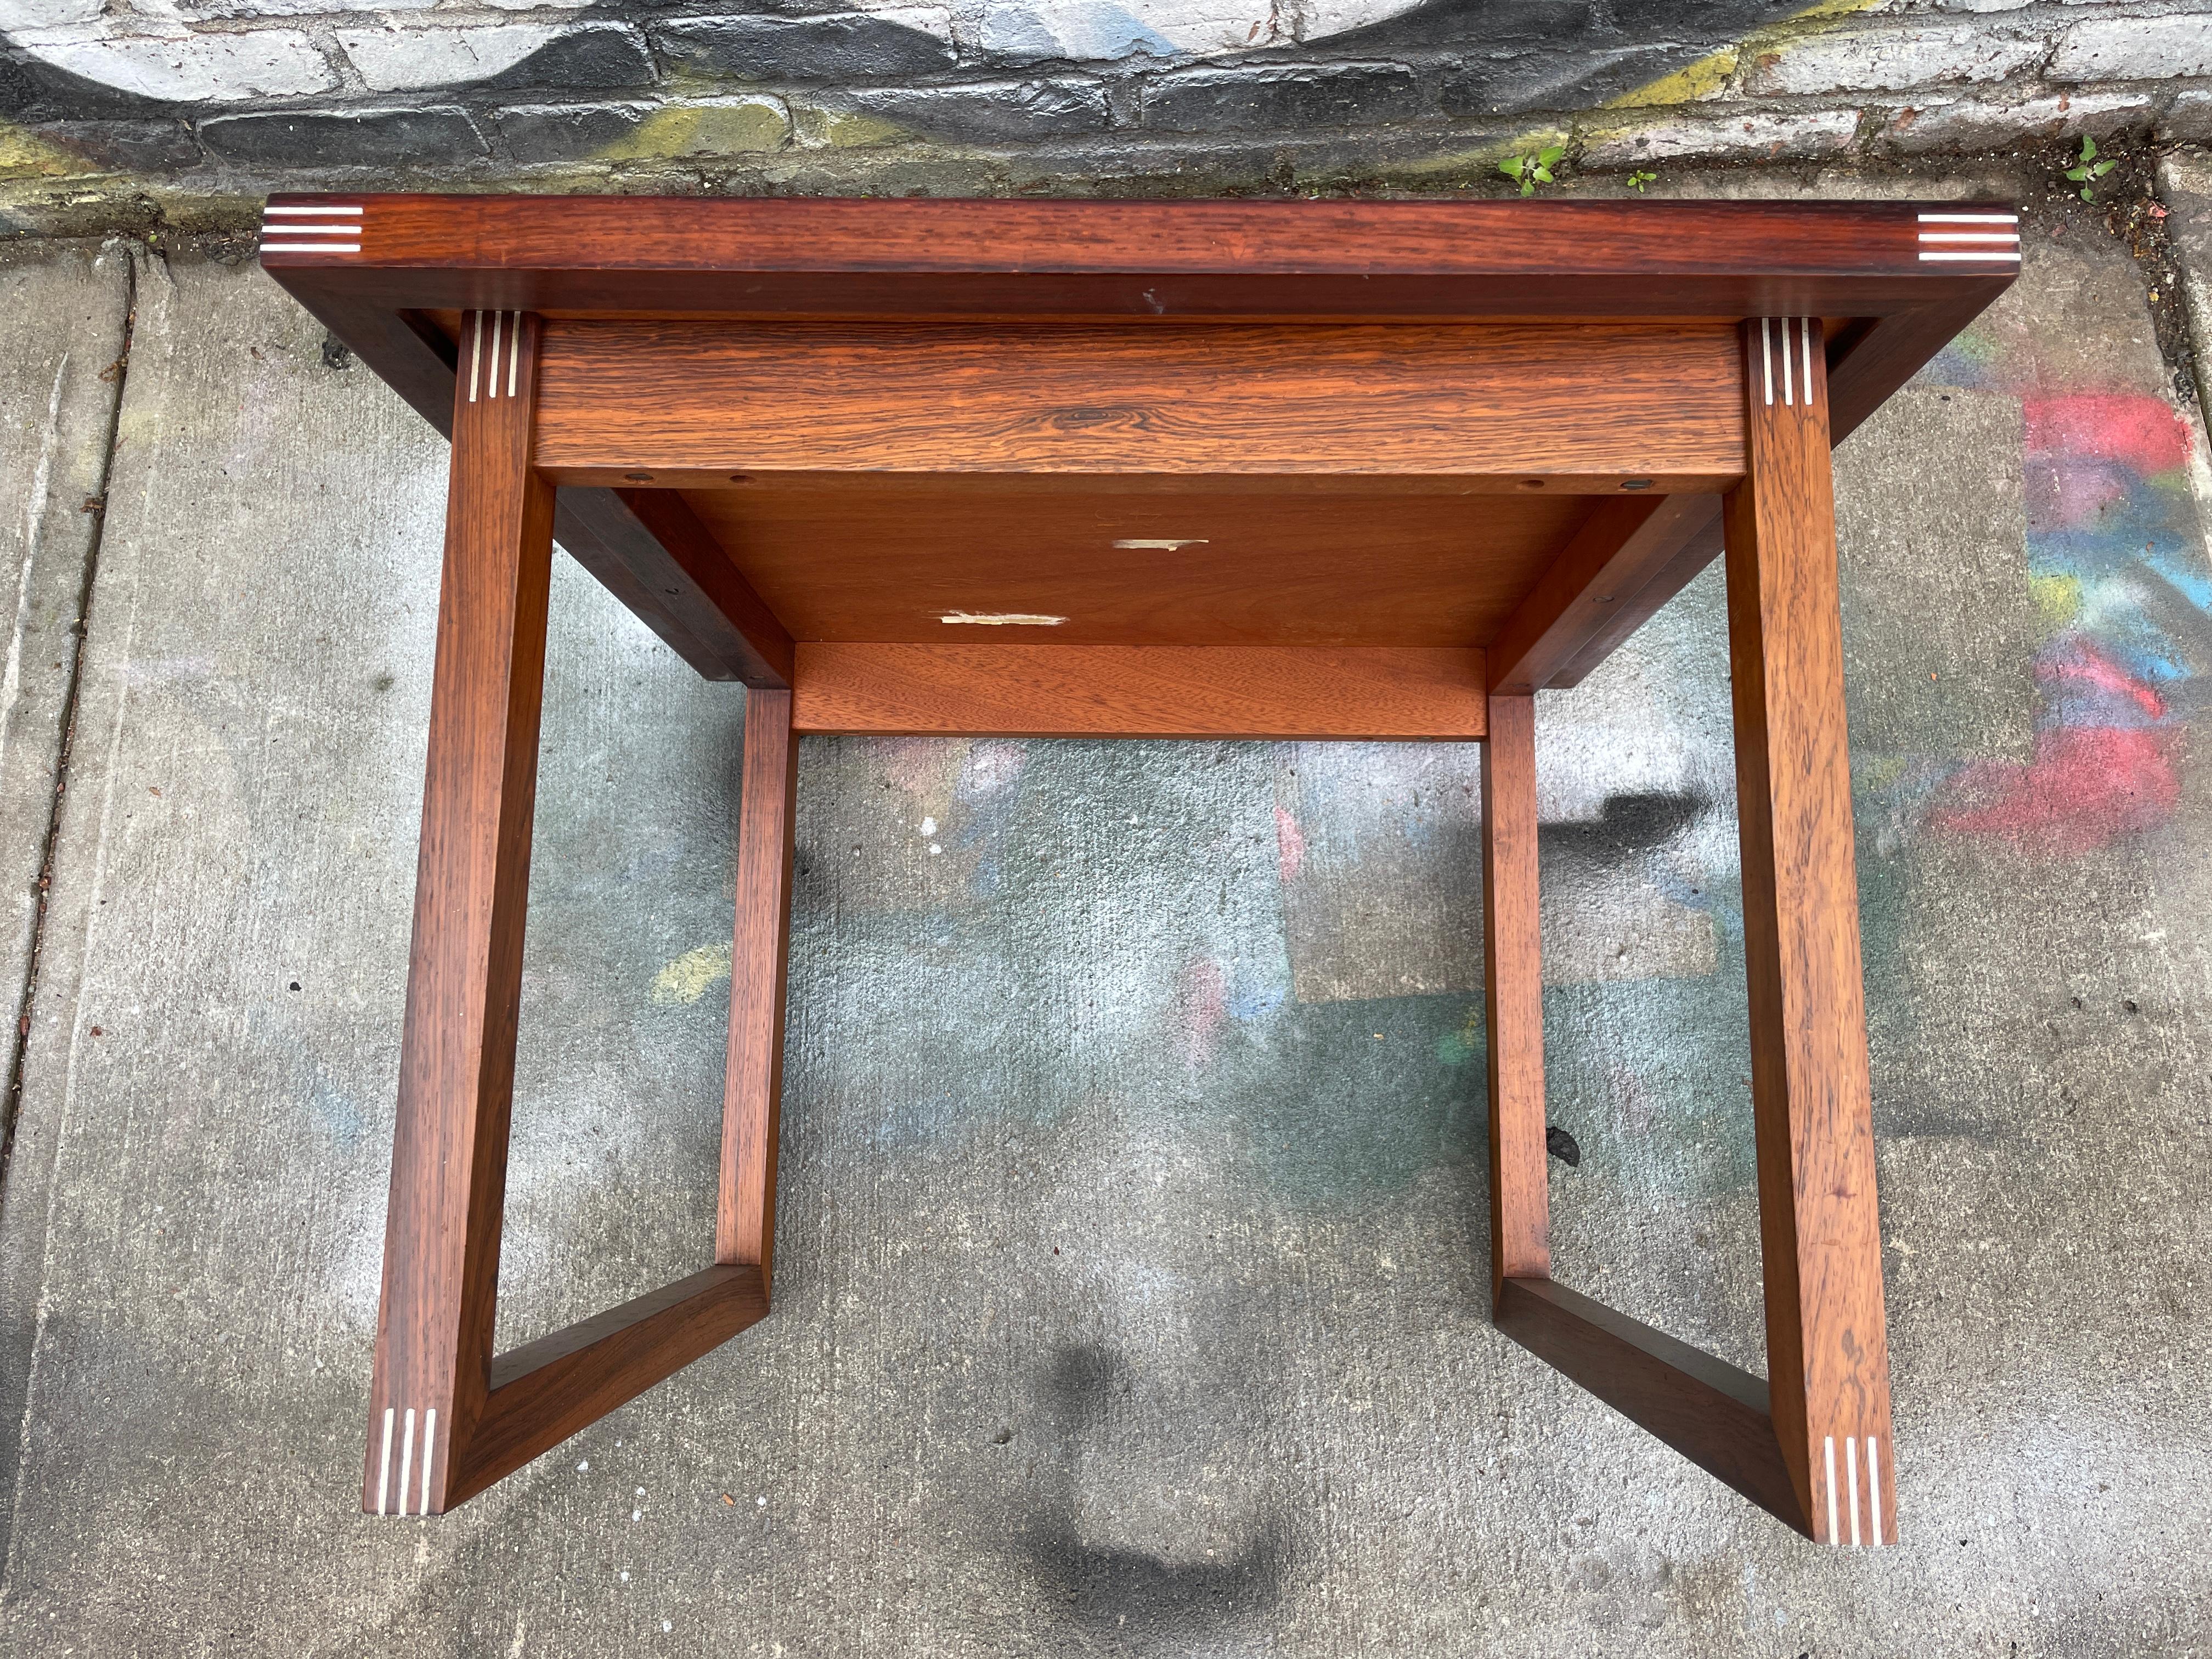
(1811, 1444)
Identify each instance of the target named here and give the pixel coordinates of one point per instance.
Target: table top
(1326, 423)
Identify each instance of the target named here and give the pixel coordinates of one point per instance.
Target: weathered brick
(567, 133)
(1244, 96)
(1506, 83)
(2135, 48)
(198, 69)
(847, 46)
(2188, 118)
(999, 111)
(1086, 34)
(1974, 123)
(708, 126)
(392, 60)
(428, 137)
(1888, 60)
(1755, 135)
(126, 146)
(401, 60)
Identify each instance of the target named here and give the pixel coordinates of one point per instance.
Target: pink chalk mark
(2081, 661)
(2085, 787)
(1290, 845)
(2145, 433)
(2066, 493)
(1201, 1005)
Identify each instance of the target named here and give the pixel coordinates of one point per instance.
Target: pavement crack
(118, 373)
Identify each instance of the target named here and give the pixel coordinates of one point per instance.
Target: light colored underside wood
(1595, 402)
(1233, 561)
(1139, 691)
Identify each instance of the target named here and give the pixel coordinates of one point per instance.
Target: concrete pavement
(1132, 1256)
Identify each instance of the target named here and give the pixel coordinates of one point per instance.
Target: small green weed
(1530, 171)
(2087, 169)
(1637, 180)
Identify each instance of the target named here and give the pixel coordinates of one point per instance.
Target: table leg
(447, 1418)
(472, 879)
(1513, 998)
(745, 1230)
(1827, 1350)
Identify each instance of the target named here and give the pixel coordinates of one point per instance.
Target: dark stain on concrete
(1142, 1598)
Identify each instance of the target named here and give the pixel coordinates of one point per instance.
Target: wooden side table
(1290, 469)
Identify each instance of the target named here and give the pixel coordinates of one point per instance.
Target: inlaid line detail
(1832, 1530)
(407, 1460)
(1794, 356)
(384, 1474)
(1874, 1488)
(484, 366)
(323, 228)
(429, 1449)
(1983, 237)
(1852, 1477)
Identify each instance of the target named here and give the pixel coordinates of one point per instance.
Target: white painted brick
(399, 59)
(1889, 60)
(191, 69)
(46, 14)
(2135, 48)
(196, 11)
(1973, 123)
(1755, 136)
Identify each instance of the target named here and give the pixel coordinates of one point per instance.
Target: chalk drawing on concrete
(2118, 571)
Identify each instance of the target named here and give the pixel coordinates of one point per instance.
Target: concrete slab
(1130, 1300)
(63, 312)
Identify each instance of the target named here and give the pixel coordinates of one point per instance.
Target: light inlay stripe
(407, 1460)
(384, 1475)
(1831, 1489)
(1852, 1473)
(429, 1446)
(1874, 1487)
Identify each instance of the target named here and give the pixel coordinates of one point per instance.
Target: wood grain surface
(546, 1390)
(473, 878)
(1211, 561)
(1828, 1365)
(1141, 691)
(1593, 591)
(1586, 403)
(1166, 263)
(1712, 1413)
(744, 1225)
(651, 553)
(1145, 259)
(1513, 996)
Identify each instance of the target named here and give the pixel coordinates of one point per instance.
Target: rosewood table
(1374, 469)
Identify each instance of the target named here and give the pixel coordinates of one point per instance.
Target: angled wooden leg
(1827, 1349)
(1513, 998)
(472, 881)
(446, 1418)
(745, 1230)
(1811, 1444)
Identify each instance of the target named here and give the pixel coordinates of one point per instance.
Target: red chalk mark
(2082, 661)
(1290, 845)
(2085, 788)
(2144, 433)
(1201, 1004)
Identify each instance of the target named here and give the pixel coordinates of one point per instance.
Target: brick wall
(105, 100)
